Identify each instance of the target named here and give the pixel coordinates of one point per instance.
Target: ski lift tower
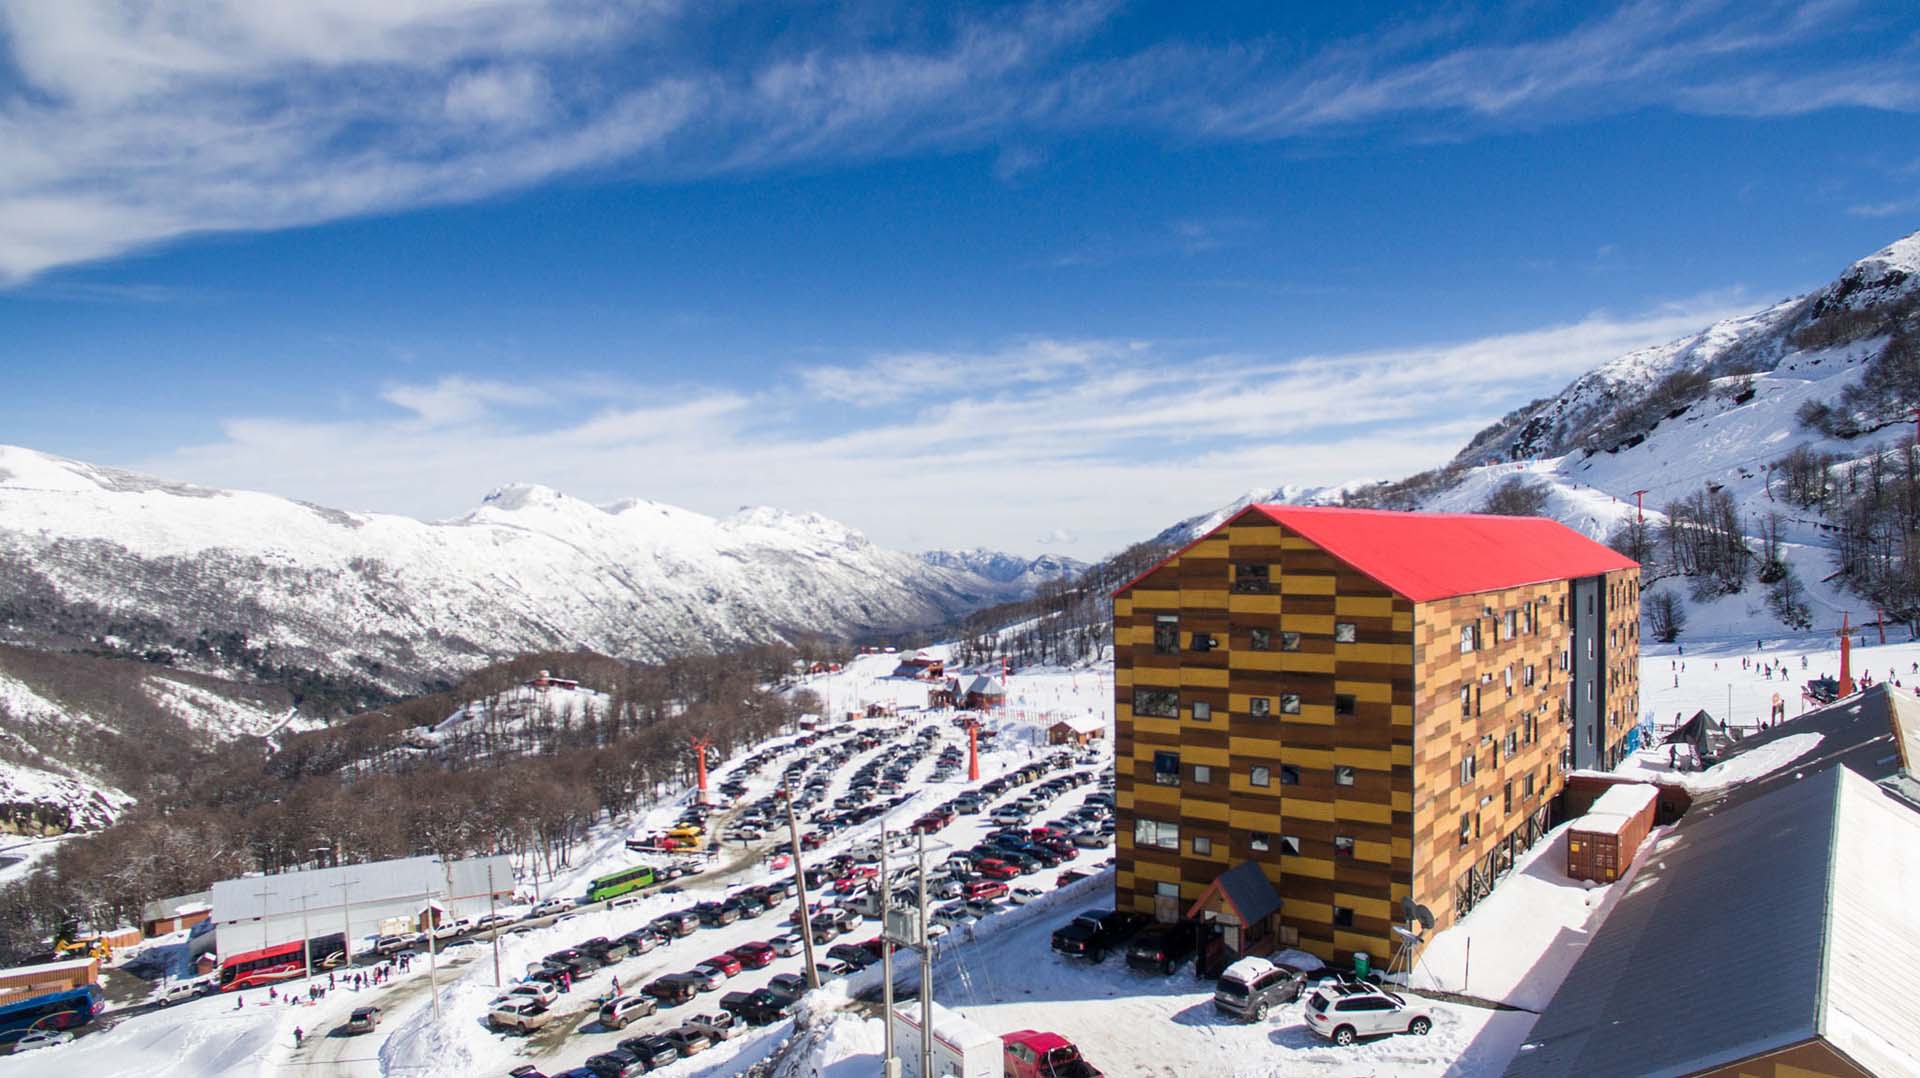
(700, 747)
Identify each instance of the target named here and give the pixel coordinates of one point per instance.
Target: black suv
(653, 1050)
(1159, 948)
(757, 1008)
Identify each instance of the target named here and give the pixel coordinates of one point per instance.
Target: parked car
(1159, 948)
(641, 941)
(688, 1040)
(1092, 935)
(718, 1027)
(363, 1020)
(522, 1016)
(181, 991)
(672, 990)
(788, 986)
(788, 945)
(706, 978)
(830, 968)
(1020, 896)
(984, 890)
(617, 1063)
(41, 1038)
(754, 954)
(534, 990)
(620, 1011)
(1252, 986)
(758, 1007)
(653, 1050)
(1031, 1054)
(854, 955)
(1345, 1012)
(993, 868)
(726, 963)
(392, 944)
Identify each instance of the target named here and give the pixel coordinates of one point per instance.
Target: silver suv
(1345, 1012)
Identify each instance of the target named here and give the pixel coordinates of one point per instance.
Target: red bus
(250, 969)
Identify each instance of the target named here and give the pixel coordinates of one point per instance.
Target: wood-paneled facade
(1275, 704)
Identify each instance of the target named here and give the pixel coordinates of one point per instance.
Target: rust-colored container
(1601, 844)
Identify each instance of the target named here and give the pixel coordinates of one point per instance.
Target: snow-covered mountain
(1193, 527)
(1832, 374)
(1018, 573)
(232, 581)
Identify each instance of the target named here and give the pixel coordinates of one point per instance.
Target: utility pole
(800, 890)
(889, 1062)
(433, 963)
(306, 937)
(1639, 509)
(493, 929)
(346, 921)
(266, 917)
(926, 970)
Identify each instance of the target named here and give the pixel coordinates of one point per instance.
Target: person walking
(299, 1035)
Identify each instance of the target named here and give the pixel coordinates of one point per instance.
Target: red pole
(1639, 510)
(973, 751)
(700, 745)
(1846, 654)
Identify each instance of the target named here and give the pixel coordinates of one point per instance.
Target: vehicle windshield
(1236, 989)
(1318, 1002)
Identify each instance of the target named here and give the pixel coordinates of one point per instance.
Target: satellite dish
(1406, 933)
(1415, 912)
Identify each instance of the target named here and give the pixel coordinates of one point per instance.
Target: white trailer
(960, 1048)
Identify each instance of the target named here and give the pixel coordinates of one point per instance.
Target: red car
(755, 955)
(1030, 1054)
(995, 869)
(874, 946)
(985, 889)
(812, 840)
(1046, 833)
(727, 963)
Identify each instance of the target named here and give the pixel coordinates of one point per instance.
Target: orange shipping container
(1601, 844)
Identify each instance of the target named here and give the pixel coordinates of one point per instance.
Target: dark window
(1345, 632)
(1249, 577)
(1289, 703)
(1289, 775)
(1257, 841)
(1343, 917)
(1507, 805)
(1260, 707)
(1343, 703)
(1203, 641)
(1466, 701)
(1158, 703)
(1343, 775)
(1166, 768)
(1260, 639)
(1528, 786)
(1466, 828)
(1166, 634)
(1289, 641)
(1343, 845)
(1290, 844)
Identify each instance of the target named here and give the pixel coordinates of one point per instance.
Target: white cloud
(1088, 445)
(132, 124)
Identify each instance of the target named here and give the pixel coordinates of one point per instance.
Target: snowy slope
(1576, 446)
(391, 600)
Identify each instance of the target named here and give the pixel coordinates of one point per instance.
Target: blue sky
(1034, 276)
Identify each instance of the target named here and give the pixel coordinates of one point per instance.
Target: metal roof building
(1767, 938)
(261, 911)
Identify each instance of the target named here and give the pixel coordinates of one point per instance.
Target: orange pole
(700, 745)
(1846, 655)
(973, 751)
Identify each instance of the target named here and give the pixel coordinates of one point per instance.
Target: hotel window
(1249, 577)
(1466, 639)
(1289, 703)
(1260, 776)
(1343, 703)
(1343, 917)
(1202, 846)
(1156, 833)
(1466, 702)
(1468, 766)
(1345, 632)
(1506, 804)
(1260, 707)
(1202, 711)
(1290, 844)
(1257, 841)
(1289, 641)
(1203, 642)
(1466, 828)
(1166, 768)
(1511, 626)
(1527, 786)
(1202, 774)
(1513, 742)
(1260, 639)
(1343, 775)
(1343, 845)
(1156, 703)
(1526, 677)
(1166, 634)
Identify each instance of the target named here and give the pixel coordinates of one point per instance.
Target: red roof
(1427, 556)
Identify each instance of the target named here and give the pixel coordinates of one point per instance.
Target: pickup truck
(524, 1016)
(1092, 935)
(1030, 1054)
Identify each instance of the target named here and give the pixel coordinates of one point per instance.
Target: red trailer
(1601, 844)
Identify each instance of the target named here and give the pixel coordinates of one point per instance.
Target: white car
(1343, 1013)
(953, 915)
(706, 977)
(535, 990)
(181, 991)
(832, 967)
(551, 907)
(787, 945)
(41, 1038)
(1020, 896)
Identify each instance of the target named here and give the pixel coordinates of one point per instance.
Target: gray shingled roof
(1250, 891)
(1750, 928)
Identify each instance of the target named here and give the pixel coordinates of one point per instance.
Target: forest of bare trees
(369, 788)
(1066, 622)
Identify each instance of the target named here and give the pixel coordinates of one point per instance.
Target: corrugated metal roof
(1691, 971)
(1427, 556)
